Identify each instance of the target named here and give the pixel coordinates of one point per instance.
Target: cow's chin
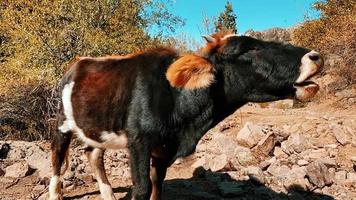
(306, 90)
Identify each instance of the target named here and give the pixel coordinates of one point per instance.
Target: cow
(159, 103)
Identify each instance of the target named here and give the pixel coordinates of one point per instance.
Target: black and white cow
(158, 103)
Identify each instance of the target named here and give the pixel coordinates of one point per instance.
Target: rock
(219, 163)
(250, 135)
(2, 172)
(318, 174)
(353, 159)
(222, 144)
(267, 143)
(350, 179)
(299, 183)
(17, 170)
(342, 136)
(278, 153)
(273, 34)
(296, 143)
(231, 189)
(328, 162)
(215, 163)
(340, 177)
(201, 162)
(39, 188)
(315, 154)
(255, 173)
(244, 157)
(278, 170)
(87, 178)
(266, 163)
(302, 162)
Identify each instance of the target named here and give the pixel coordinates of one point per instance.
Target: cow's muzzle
(311, 64)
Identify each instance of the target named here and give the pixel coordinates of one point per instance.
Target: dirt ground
(184, 181)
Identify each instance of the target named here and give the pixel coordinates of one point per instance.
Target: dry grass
(28, 114)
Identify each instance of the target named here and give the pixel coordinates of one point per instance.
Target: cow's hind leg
(96, 160)
(59, 146)
(158, 173)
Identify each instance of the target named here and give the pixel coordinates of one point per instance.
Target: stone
(39, 160)
(314, 154)
(201, 162)
(17, 170)
(328, 162)
(278, 153)
(255, 173)
(39, 187)
(299, 183)
(350, 179)
(2, 172)
(87, 178)
(267, 143)
(342, 136)
(318, 174)
(302, 162)
(244, 156)
(219, 163)
(340, 177)
(296, 143)
(250, 135)
(353, 159)
(278, 170)
(266, 163)
(222, 144)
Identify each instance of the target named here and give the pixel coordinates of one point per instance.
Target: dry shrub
(39, 38)
(334, 33)
(28, 114)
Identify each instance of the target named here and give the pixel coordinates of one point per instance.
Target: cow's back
(101, 89)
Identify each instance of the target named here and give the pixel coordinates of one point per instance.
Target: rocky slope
(258, 153)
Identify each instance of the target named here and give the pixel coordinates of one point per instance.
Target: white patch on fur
(53, 195)
(69, 123)
(228, 36)
(112, 140)
(307, 68)
(106, 191)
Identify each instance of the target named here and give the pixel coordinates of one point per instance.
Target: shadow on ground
(207, 185)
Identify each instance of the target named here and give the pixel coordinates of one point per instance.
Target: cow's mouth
(306, 89)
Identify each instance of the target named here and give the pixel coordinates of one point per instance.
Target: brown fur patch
(213, 46)
(190, 72)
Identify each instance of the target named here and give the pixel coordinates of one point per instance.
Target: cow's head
(260, 70)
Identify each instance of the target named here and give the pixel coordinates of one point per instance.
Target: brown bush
(39, 38)
(29, 113)
(334, 33)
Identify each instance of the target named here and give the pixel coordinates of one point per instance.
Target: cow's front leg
(140, 169)
(158, 173)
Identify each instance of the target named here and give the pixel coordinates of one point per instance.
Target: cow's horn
(208, 38)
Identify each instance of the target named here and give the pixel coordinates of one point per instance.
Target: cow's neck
(204, 108)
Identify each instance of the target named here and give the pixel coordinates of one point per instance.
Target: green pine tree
(226, 19)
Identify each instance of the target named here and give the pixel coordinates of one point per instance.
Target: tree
(226, 19)
(39, 38)
(333, 33)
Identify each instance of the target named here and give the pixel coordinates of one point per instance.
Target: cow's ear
(190, 72)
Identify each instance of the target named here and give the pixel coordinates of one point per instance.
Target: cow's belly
(92, 133)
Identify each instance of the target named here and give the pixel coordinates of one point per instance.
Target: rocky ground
(263, 151)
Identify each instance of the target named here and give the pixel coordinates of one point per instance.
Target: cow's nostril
(314, 57)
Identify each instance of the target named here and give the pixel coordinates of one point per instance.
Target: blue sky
(251, 14)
